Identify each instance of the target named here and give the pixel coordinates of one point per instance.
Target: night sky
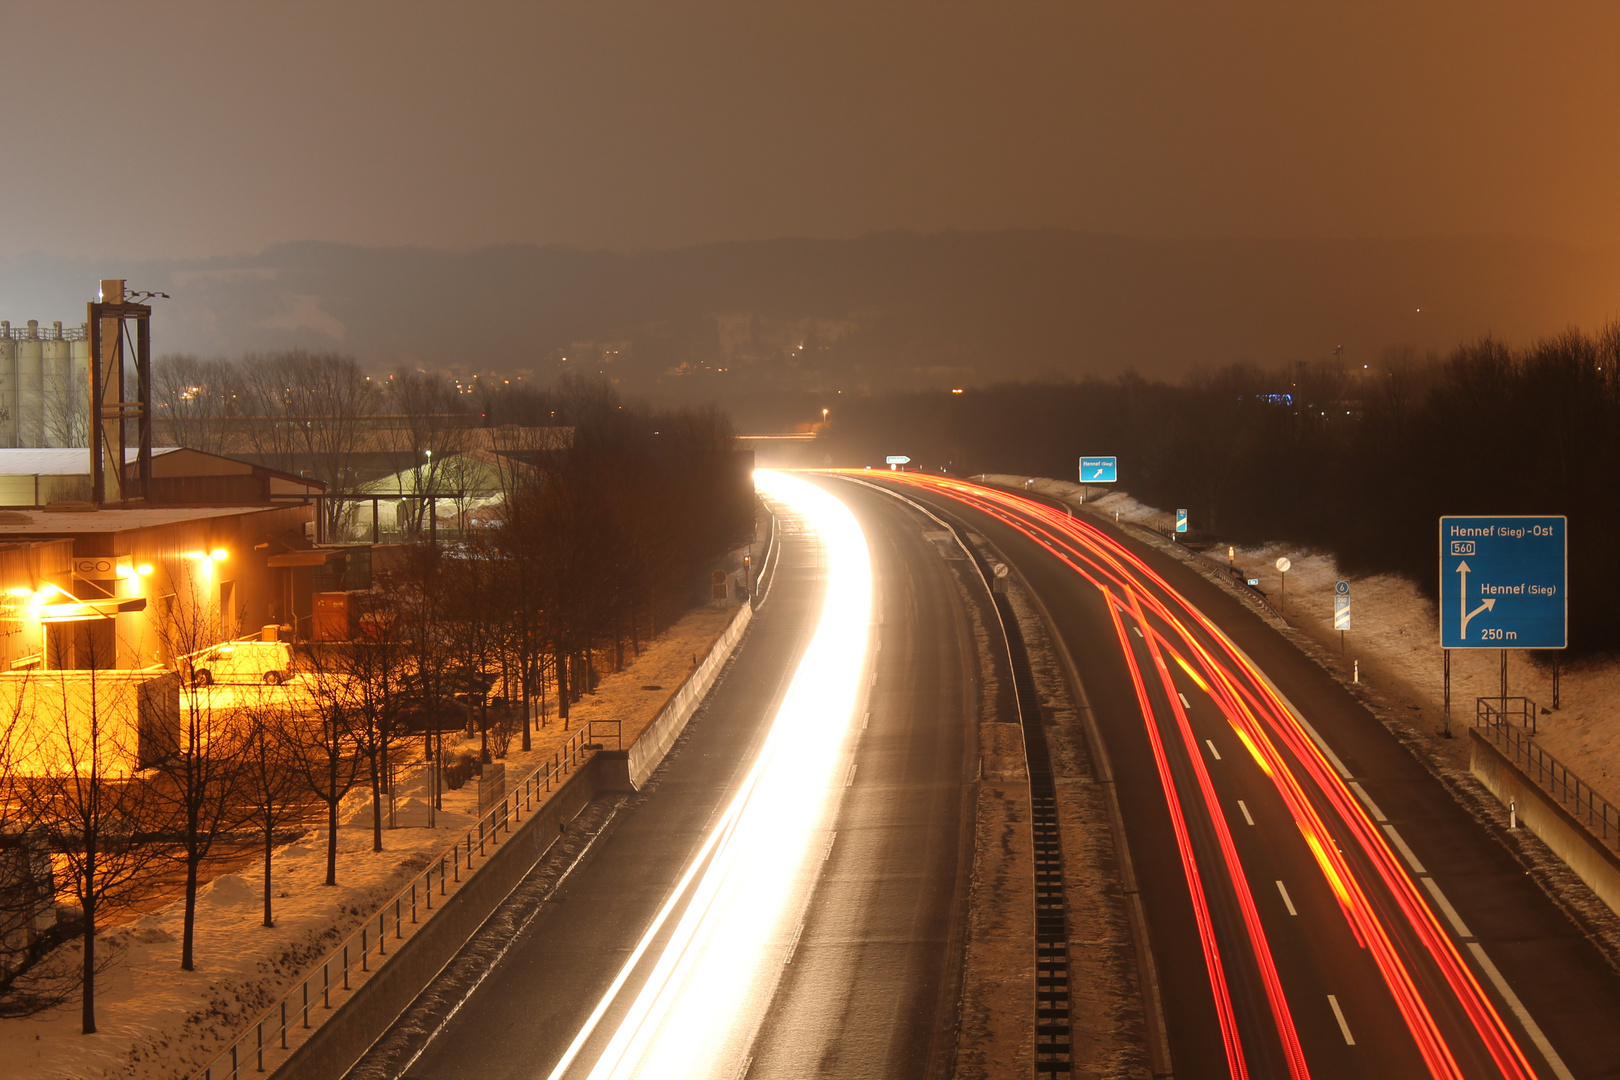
(164, 130)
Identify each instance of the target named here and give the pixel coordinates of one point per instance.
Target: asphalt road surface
(1330, 912)
(869, 987)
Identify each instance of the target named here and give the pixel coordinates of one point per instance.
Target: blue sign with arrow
(1503, 582)
(1099, 470)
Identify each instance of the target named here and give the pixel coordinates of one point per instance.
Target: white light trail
(745, 891)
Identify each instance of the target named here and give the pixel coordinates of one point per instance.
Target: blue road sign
(1341, 588)
(1099, 470)
(896, 459)
(1503, 582)
(1341, 611)
(1181, 521)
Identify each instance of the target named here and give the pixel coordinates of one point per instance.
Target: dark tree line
(1359, 460)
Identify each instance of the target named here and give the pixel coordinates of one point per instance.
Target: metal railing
(1575, 795)
(368, 947)
(54, 332)
(1506, 710)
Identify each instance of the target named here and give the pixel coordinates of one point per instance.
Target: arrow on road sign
(1485, 605)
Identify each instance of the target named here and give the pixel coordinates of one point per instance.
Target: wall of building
(44, 385)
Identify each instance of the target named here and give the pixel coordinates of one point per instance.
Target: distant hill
(751, 321)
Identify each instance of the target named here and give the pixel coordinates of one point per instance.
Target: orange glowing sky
(202, 129)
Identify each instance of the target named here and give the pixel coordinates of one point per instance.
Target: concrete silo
(44, 385)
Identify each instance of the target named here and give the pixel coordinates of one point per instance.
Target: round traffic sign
(1342, 588)
(1283, 564)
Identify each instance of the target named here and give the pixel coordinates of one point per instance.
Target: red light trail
(1378, 897)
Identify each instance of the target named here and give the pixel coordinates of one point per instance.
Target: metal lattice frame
(119, 332)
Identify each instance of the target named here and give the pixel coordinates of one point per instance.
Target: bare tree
(373, 665)
(89, 801)
(325, 751)
(201, 779)
(33, 979)
(270, 780)
(434, 423)
(196, 402)
(310, 412)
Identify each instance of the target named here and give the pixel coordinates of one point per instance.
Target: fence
(270, 1031)
(1575, 795)
(1505, 710)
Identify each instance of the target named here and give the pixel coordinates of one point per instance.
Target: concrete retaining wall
(1553, 825)
(656, 739)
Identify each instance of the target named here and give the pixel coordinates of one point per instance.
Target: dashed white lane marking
(1445, 907)
(850, 779)
(1344, 1028)
(1185, 704)
(1406, 852)
(1210, 743)
(1138, 630)
(1287, 901)
(1366, 800)
(874, 677)
(830, 840)
(1245, 810)
(793, 946)
(867, 719)
(1533, 1029)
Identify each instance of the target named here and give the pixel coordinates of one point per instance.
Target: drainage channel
(1053, 1032)
(1054, 1042)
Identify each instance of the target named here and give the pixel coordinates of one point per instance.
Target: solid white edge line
(1554, 1062)
(1287, 900)
(1245, 809)
(1406, 853)
(1367, 801)
(1445, 907)
(1338, 1014)
(1211, 744)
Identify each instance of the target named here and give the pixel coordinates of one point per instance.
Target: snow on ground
(158, 1021)
(1395, 635)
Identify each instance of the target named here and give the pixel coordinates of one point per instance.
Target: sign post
(1503, 585)
(1341, 610)
(1283, 566)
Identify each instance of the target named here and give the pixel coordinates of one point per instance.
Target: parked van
(243, 661)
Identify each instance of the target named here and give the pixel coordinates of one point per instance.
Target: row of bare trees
(320, 415)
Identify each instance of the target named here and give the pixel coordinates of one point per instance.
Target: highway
(1317, 904)
(784, 898)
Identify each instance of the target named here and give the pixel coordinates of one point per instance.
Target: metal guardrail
(1552, 776)
(411, 905)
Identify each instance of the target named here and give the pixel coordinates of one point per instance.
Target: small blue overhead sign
(1099, 470)
(1503, 582)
